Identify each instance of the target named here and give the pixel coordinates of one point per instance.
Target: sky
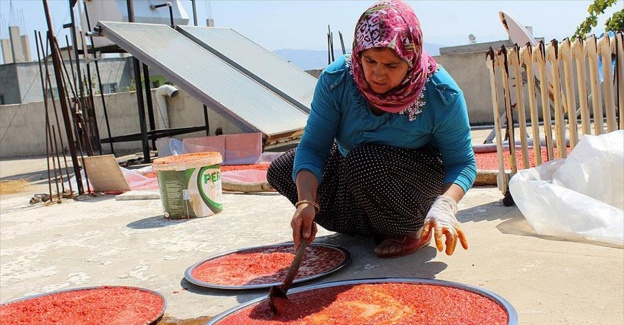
(303, 24)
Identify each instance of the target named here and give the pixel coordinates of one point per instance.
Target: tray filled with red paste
(379, 301)
(111, 305)
(265, 266)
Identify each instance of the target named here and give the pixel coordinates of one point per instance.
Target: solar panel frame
(242, 100)
(264, 66)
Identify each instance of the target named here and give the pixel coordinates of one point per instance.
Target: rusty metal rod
(148, 101)
(47, 117)
(58, 123)
(139, 93)
(97, 72)
(64, 109)
(76, 103)
(48, 89)
(81, 135)
(59, 195)
(71, 66)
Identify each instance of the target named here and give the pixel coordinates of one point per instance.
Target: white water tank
(117, 10)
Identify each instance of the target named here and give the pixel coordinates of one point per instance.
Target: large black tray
(189, 277)
(153, 321)
(511, 312)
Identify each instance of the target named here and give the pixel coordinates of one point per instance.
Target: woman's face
(383, 69)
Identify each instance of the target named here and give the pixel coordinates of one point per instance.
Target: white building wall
(16, 44)
(7, 53)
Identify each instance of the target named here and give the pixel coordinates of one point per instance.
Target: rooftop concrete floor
(103, 241)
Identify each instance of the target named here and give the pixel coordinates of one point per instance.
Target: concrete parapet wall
(472, 76)
(23, 125)
(22, 130)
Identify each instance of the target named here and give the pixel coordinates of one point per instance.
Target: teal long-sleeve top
(340, 113)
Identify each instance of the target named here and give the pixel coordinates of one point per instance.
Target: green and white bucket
(190, 184)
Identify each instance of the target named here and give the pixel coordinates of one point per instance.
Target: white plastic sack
(581, 196)
(137, 180)
(169, 147)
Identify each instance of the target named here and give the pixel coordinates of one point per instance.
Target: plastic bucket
(190, 184)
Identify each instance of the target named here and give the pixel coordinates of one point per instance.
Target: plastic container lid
(186, 161)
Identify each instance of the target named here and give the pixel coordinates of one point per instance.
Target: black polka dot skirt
(375, 191)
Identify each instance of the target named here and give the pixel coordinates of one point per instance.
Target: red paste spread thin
(489, 160)
(103, 305)
(379, 304)
(265, 265)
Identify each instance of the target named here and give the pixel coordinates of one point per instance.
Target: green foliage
(616, 22)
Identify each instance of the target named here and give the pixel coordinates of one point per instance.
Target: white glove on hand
(441, 217)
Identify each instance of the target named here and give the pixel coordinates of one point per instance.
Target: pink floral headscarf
(392, 24)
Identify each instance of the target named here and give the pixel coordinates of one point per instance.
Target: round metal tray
(511, 312)
(152, 321)
(188, 273)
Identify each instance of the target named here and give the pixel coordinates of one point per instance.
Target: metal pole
(88, 115)
(47, 118)
(72, 3)
(75, 109)
(71, 66)
(56, 149)
(65, 110)
(344, 51)
(171, 14)
(139, 93)
(150, 106)
(94, 129)
(60, 139)
(206, 120)
(194, 12)
(97, 72)
(205, 107)
(58, 123)
(95, 139)
(166, 4)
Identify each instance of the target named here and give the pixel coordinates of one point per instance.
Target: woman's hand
(441, 218)
(303, 223)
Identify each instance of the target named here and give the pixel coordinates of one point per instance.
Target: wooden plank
(578, 53)
(552, 56)
(539, 56)
(527, 61)
(501, 179)
(619, 49)
(591, 48)
(604, 50)
(104, 174)
(565, 55)
(514, 62)
(504, 68)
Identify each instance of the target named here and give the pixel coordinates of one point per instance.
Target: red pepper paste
(92, 306)
(265, 265)
(489, 160)
(379, 304)
(226, 168)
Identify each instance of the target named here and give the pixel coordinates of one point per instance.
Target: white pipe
(161, 94)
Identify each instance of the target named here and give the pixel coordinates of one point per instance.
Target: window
(1, 99)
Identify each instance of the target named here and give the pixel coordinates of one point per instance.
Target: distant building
(16, 48)
(25, 80)
(22, 81)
